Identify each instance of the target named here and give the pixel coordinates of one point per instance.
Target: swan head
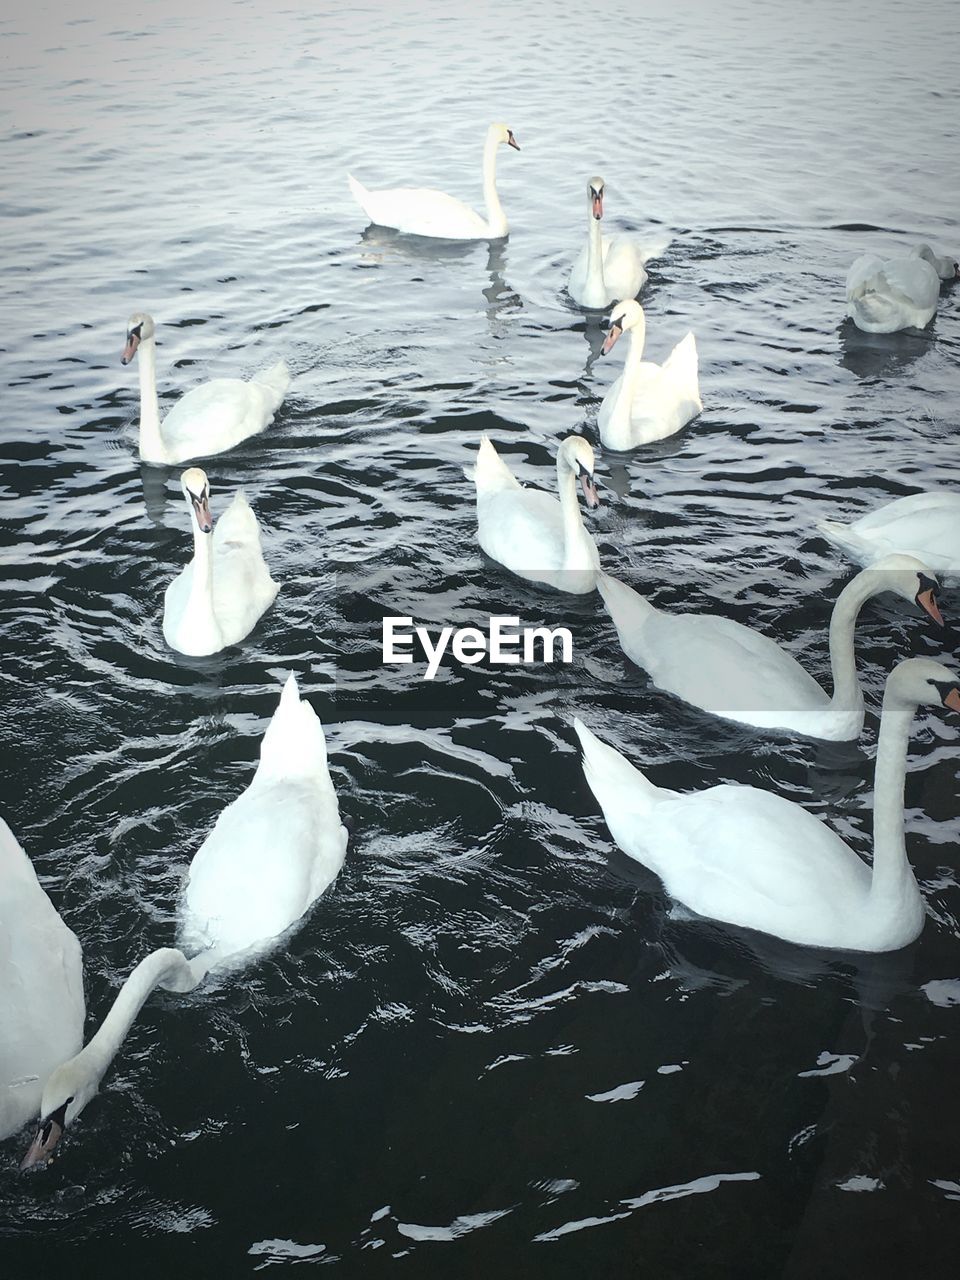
(140, 327)
(944, 266)
(576, 455)
(923, 682)
(196, 490)
(910, 579)
(625, 315)
(595, 197)
(65, 1094)
(500, 133)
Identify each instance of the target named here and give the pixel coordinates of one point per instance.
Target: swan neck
(891, 870)
(574, 533)
(496, 218)
(166, 967)
(151, 442)
(847, 694)
(594, 250)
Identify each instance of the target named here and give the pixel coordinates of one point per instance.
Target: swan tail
(841, 535)
(276, 379)
(294, 745)
(491, 474)
(614, 781)
(654, 249)
(361, 195)
(628, 609)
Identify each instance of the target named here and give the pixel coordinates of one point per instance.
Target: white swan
(754, 859)
(733, 671)
(925, 525)
(206, 420)
(273, 850)
(897, 293)
(648, 401)
(225, 589)
(422, 211)
(71, 1086)
(532, 533)
(43, 1065)
(609, 267)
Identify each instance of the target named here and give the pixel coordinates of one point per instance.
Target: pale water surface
(492, 1048)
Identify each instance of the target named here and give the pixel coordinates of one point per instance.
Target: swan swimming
(44, 1066)
(884, 296)
(648, 401)
(421, 211)
(754, 859)
(609, 267)
(207, 419)
(733, 671)
(273, 850)
(925, 525)
(219, 597)
(530, 532)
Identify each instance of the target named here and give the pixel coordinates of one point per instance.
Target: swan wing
(217, 415)
(421, 211)
(522, 529)
(242, 587)
(623, 266)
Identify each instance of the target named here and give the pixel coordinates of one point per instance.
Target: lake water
(493, 1047)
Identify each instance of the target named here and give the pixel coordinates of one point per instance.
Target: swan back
(41, 987)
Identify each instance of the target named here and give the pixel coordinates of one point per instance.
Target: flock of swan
(737, 854)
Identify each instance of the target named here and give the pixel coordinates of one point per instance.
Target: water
(493, 1045)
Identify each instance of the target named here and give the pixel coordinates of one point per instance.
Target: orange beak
(130, 350)
(927, 601)
(610, 340)
(952, 700)
(598, 207)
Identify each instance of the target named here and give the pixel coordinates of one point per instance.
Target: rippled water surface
(492, 1047)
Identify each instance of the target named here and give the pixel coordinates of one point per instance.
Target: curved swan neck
(847, 693)
(151, 442)
(574, 534)
(891, 870)
(623, 405)
(200, 599)
(496, 218)
(166, 967)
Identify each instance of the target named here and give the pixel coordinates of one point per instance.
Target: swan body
(42, 1005)
(884, 296)
(925, 525)
(425, 212)
(609, 267)
(208, 419)
(733, 671)
(753, 859)
(648, 401)
(530, 532)
(226, 588)
(274, 849)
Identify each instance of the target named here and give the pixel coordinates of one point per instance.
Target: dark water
(491, 1048)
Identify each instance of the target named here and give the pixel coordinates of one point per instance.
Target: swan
(225, 589)
(609, 267)
(899, 293)
(532, 533)
(44, 1067)
(71, 1086)
(422, 211)
(733, 671)
(648, 401)
(208, 419)
(273, 850)
(925, 525)
(753, 859)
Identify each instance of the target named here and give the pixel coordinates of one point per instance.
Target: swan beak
(590, 495)
(201, 509)
(42, 1147)
(511, 141)
(130, 350)
(927, 600)
(598, 207)
(952, 700)
(610, 340)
